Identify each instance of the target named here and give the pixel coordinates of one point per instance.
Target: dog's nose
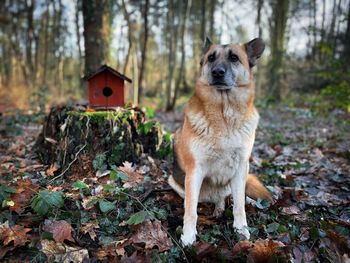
(218, 72)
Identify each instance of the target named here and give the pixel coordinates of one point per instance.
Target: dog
(214, 144)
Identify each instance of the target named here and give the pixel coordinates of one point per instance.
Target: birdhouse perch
(106, 88)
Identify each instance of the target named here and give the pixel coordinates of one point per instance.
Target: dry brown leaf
(152, 234)
(58, 252)
(112, 250)
(89, 228)
(24, 193)
(242, 247)
(61, 230)
(52, 169)
(263, 250)
(88, 202)
(291, 210)
(134, 178)
(17, 234)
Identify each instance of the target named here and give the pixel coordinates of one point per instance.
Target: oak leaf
(152, 234)
(61, 230)
(89, 228)
(23, 195)
(58, 252)
(17, 234)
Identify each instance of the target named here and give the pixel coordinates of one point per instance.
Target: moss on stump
(106, 137)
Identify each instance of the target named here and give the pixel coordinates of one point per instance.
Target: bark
(332, 25)
(314, 30)
(30, 5)
(279, 23)
(212, 18)
(97, 23)
(46, 40)
(179, 79)
(144, 49)
(258, 18)
(346, 40)
(203, 19)
(78, 4)
(172, 40)
(130, 37)
(131, 58)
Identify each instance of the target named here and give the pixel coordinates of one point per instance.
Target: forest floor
(130, 214)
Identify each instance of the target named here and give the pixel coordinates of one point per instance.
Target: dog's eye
(233, 57)
(211, 58)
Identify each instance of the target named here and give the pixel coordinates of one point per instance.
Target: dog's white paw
(244, 232)
(188, 239)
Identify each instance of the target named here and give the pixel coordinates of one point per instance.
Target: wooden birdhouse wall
(99, 84)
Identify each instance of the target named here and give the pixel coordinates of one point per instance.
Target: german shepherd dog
(215, 142)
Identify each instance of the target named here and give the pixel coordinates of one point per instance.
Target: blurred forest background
(46, 46)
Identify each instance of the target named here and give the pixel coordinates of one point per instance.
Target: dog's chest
(221, 154)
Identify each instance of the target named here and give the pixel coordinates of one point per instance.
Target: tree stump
(106, 137)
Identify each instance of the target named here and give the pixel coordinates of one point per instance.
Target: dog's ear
(206, 46)
(254, 50)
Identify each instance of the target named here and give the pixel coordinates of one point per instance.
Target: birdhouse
(106, 87)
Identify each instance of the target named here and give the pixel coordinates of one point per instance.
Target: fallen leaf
(112, 250)
(17, 234)
(52, 169)
(241, 247)
(59, 252)
(152, 234)
(24, 193)
(263, 250)
(291, 210)
(61, 230)
(89, 228)
(134, 178)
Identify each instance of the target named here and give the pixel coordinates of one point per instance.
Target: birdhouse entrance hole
(107, 91)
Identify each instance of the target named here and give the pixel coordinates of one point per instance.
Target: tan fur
(214, 144)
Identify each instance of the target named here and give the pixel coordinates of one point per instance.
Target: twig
(69, 165)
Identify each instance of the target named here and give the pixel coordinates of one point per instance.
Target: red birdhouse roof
(106, 68)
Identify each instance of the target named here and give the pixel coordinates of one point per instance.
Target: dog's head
(225, 67)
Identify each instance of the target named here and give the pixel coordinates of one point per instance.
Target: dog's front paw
(188, 239)
(243, 232)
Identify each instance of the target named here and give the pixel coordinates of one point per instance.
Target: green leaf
(116, 174)
(5, 192)
(261, 204)
(270, 228)
(80, 185)
(106, 206)
(45, 200)
(138, 218)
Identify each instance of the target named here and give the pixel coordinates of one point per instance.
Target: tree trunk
(212, 19)
(203, 20)
(30, 35)
(346, 42)
(46, 40)
(179, 79)
(78, 8)
(144, 49)
(172, 37)
(279, 22)
(128, 58)
(258, 18)
(97, 23)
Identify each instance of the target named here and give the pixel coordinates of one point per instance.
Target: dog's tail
(255, 189)
(179, 189)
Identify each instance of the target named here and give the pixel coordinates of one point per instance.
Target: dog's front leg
(193, 183)
(238, 194)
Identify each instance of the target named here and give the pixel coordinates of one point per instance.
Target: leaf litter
(129, 214)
